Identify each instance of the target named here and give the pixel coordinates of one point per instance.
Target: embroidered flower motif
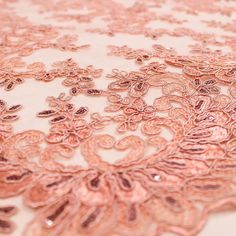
(79, 84)
(79, 79)
(117, 102)
(48, 76)
(133, 112)
(139, 110)
(137, 83)
(207, 86)
(73, 195)
(172, 189)
(68, 127)
(139, 55)
(62, 109)
(71, 133)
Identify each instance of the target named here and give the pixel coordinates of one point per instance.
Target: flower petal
(138, 89)
(132, 125)
(122, 127)
(72, 140)
(55, 137)
(84, 133)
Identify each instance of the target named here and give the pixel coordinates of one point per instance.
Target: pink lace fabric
(117, 118)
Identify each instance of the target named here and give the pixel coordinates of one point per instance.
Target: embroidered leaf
(58, 119)
(10, 86)
(10, 117)
(74, 91)
(81, 111)
(14, 108)
(94, 92)
(46, 113)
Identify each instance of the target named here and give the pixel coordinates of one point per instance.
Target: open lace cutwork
(175, 188)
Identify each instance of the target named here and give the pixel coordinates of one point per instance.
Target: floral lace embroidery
(189, 176)
(68, 125)
(7, 116)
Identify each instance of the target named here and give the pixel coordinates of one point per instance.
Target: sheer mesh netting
(117, 118)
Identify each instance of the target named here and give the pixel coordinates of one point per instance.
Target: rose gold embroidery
(137, 83)
(68, 125)
(191, 172)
